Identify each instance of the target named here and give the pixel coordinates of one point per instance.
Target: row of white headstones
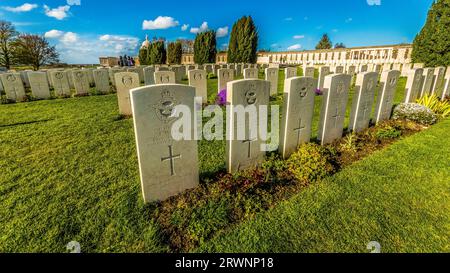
(168, 166)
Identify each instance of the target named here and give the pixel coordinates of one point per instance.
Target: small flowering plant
(222, 97)
(318, 92)
(415, 112)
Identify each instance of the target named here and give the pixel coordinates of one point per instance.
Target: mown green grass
(398, 197)
(69, 171)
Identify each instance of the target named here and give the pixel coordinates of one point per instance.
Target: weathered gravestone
(413, 85)
(224, 76)
(177, 72)
(385, 99)
(250, 73)
(363, 100)
(298, 110)
(39, 84)
(290, 72)
(164, 77)
(112, 73)
(363, 68)
(90, 75)
(351, 70)
(149, 76)
(309, 72)
(60, 83)
(197, 79)
(81, 82)
(243, 144)
(12, 83)
(439, 81)
(323, 72)
(377, 68)
(334, 105)
(428, 79)
(125, 81)
(272, 76)
(339, 69)
(101, 79)
(25, 80)
(167, 165)
(238, 69)
(139, 71)
(446, 91)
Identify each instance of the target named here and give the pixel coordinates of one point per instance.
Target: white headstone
(271, 75)
(323, 72)
(413, 85)
(244, 152)
(298, 110)
(164, 77)
(334, 105)
(363, 100)
(39, 84)
(12, 83)
(81, 82)
(224, 76)
(447, 84)
(290, 72)
(167, 166)
(149, 76)
(197, 79)
(309, 71)
(60, 83)
(101, 79)
(250, 73)
(439, 81)
(125, 81)
(428, 80)
(385, 99)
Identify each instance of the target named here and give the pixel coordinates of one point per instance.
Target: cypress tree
(144, 56)
(174, 53)
(157, 54)
(243, 43)
(324, 43)
(205, 47)
(432, 45)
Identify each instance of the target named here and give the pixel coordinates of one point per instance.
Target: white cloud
(222, 32)
(74, 2)
(184, 27)
(275, 45)
(53, 34)
(23, 8)
(374, 2)
(86, 48)
(298, 37)
(295, 47)
(69, 37)
(202, 28)
(58, 13)
(161, 22)
(348, 20)
(288, 19)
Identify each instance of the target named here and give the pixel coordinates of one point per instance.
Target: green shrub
(312, 163)
(440, 108)
(388, 133)
(349, 143)
(415, 112)
(212, 76)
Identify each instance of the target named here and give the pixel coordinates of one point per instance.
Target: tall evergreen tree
(432, 45)
(157, 54)
(324, 43)
(144, 56)
(205, 47)
(243, 41)
(174, 53)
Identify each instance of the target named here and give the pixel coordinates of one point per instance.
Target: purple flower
(222, 97)
(319, 92)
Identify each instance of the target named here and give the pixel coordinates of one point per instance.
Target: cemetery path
(398, 197)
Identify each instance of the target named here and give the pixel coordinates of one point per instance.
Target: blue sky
(83, 30)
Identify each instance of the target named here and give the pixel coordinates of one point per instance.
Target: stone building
(109, 61)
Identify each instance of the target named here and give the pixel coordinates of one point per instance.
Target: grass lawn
(69, 172)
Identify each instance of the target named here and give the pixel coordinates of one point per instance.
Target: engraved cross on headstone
(336, 117)
(171, 158)
(299, 130)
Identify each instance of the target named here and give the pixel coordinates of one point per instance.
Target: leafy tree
(243, 41)
(7, 35)
(144, 56)
(157, 54)
(205, 47)
(174, 52)
(324, 43)
(339, 45)
(34, 50)
(432, 45)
